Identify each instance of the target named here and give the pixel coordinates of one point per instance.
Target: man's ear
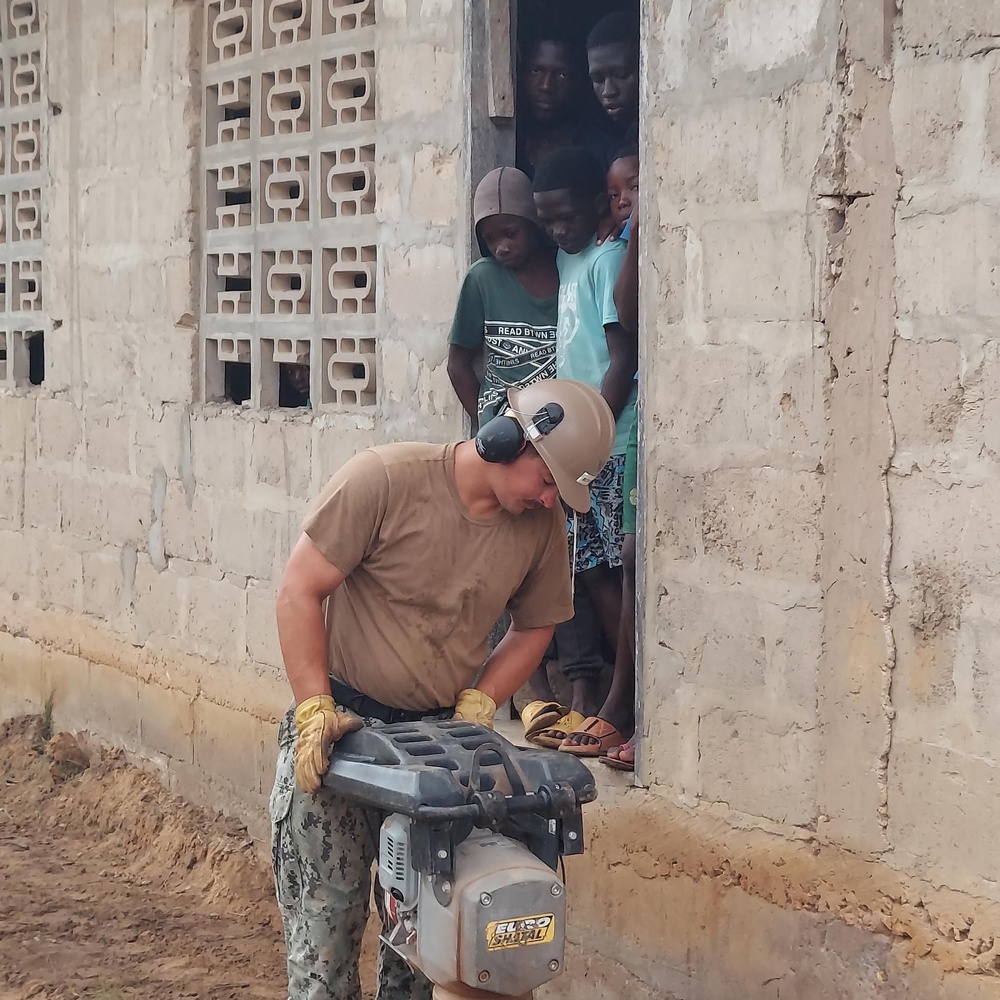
(602, 204)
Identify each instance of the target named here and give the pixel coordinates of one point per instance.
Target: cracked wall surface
(822, 290)
(744, 136)
(858, 175)
(942, 395)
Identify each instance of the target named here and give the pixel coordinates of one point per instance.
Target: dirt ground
(111, 888)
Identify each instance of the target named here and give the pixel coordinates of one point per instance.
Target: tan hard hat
(576, 447)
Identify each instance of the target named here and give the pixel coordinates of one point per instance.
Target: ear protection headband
(502, 439)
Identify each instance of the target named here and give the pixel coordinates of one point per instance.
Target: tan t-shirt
(426, 581)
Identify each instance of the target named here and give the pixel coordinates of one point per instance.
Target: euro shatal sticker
(521, 931)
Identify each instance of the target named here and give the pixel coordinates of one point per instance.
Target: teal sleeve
(468, 328)
(605, 274)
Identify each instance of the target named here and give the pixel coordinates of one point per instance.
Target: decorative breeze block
(288, 154)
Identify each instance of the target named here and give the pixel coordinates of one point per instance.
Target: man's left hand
(474, 706)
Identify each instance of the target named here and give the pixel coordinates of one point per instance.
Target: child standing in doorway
(507, 311)
(508, 303)
(618, 709)
(593, 347)
(623, 186)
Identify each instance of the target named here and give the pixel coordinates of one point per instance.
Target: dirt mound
(111, 888)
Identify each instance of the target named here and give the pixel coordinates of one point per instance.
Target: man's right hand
(320, 724)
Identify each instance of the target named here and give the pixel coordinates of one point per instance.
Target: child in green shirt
(508, 303)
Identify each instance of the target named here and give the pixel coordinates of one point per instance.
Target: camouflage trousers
(322, 849)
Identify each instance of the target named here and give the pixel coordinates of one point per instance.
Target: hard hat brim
(574, 493)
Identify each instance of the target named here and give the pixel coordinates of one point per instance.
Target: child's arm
(623, 344)
(619, 379)
(463, 377)
(627, 285)
(465, 342)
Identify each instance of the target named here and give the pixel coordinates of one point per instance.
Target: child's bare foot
(621, 758)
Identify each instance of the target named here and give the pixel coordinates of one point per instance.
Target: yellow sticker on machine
(537, 929)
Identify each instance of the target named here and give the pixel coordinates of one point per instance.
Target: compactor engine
(469, 852)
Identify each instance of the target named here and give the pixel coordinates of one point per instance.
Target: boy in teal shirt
(592, 346)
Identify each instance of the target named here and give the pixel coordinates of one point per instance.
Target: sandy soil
(110, 888)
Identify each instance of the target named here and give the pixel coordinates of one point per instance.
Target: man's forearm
(513, 661)
(302, 636)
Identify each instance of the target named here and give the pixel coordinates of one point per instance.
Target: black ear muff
(500, 440)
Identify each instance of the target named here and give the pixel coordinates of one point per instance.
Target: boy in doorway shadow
(613, 65)
(551, 80)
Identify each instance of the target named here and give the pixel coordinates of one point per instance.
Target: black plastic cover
(408, 765)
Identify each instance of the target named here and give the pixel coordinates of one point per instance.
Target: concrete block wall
(942, 396)
(737, 153)
(421, 200)
(128, 593)
(821, 287)
(143, 531)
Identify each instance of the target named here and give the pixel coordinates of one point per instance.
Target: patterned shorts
(599, 531)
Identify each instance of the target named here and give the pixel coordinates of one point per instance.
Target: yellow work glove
(320, 724)
(474, 706)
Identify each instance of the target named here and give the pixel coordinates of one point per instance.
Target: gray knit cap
(505, 191)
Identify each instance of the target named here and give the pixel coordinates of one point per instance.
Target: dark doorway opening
(569, 113)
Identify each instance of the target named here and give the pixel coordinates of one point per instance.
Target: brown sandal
(595, 727)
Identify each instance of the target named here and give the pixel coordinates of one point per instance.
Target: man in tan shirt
(409, 557)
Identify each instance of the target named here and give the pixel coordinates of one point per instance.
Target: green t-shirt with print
(517, 331)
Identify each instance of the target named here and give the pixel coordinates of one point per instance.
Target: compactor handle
(556, 801)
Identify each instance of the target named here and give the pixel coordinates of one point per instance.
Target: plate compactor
(469, 851)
